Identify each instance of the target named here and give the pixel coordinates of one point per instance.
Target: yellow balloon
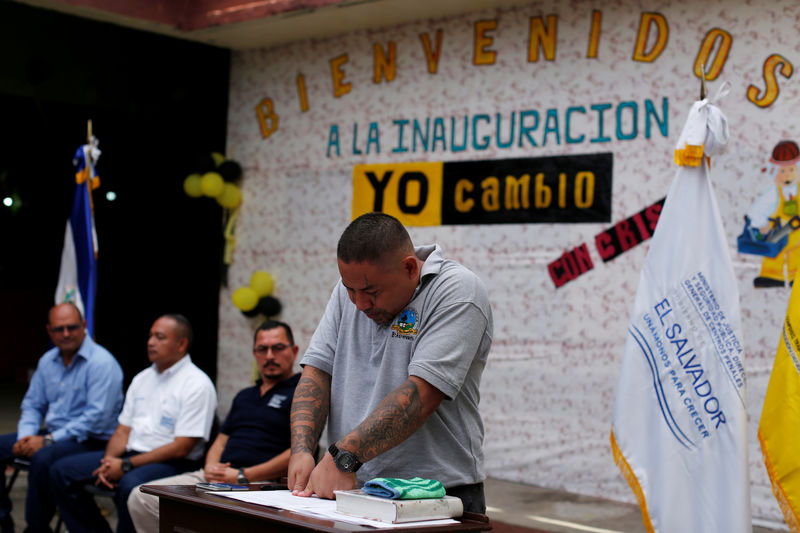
(231, 196)
(212, 184)
(245, 298)
(218, 158)
(191, 186)
(261, 282)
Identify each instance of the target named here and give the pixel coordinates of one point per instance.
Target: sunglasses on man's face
(263, 349)
(72, 328)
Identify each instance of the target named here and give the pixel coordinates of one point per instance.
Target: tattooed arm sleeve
(309, 409)
(395, 419)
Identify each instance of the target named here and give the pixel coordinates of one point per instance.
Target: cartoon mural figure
(773, 218)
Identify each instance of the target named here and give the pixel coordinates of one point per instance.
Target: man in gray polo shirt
(395, 365)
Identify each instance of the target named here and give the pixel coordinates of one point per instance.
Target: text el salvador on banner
(679, 423)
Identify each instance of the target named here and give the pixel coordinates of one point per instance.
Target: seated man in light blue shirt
(71, 406)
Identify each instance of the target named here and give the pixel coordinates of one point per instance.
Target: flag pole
(702, 83)
(91, 183)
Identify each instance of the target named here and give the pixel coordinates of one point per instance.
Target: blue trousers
(39, 503)
(77, 507)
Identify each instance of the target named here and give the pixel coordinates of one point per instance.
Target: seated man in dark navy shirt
(253, 442)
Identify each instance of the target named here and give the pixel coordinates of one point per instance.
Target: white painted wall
(549, 387)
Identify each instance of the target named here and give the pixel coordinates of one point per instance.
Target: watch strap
(241, 478)
(126, 464)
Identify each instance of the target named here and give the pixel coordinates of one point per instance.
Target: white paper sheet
(283, 499)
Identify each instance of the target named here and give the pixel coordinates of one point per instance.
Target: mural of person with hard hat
(773, 219)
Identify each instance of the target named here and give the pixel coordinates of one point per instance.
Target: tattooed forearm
(395, 419)
(309, 409)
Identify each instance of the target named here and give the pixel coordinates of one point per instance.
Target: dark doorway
(156, 103)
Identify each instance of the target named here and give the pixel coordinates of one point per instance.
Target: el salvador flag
(77, 279)
(679, 429)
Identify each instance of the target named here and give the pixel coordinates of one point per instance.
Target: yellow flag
(779, 427)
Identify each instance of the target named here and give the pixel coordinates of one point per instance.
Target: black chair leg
(12, 479)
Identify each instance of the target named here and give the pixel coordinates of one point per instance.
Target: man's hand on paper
(324, 478)
(300, 466)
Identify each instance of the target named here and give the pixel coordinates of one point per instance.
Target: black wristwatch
(48, 439)
(242, 479)
(126, 465)
(345, 461)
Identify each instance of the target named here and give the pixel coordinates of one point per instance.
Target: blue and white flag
(77, 279)
(679, 424)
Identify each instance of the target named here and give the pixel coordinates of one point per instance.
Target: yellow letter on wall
(772, 91)
(490, 199)
(639, 53)
(518, 192)
(383, 66)
(267, 119)
(594, 34)
(482, 56)
(340, 87)
(462, 204)
(715, 68)
(301, 92)
(544, 36)
(432, 55)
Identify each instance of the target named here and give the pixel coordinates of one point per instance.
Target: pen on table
(274, 487)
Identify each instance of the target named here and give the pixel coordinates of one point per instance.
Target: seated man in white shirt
(253, 442)
(165, 421)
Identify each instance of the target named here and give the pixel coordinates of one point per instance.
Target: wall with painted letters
(535, 145)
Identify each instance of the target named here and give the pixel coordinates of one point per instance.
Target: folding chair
(19, 464)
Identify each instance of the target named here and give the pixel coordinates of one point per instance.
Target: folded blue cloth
(404, 489)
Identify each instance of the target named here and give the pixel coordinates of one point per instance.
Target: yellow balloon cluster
(230, 196)
(217, 183)
(191, 185)
(245, 299)
(212, 184)
(261, 282)
(257, 293)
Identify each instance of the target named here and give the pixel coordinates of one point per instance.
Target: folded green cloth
(404, 489)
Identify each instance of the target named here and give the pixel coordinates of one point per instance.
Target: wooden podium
(183, 509)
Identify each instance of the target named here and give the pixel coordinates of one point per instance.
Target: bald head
(66, 328)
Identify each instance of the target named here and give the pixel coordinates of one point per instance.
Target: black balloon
(230, 171)
(268, 306)
(252, 313)
(203, 163)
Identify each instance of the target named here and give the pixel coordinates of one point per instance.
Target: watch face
(347, 461)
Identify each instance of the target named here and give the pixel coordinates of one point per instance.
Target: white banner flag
(679, 426)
